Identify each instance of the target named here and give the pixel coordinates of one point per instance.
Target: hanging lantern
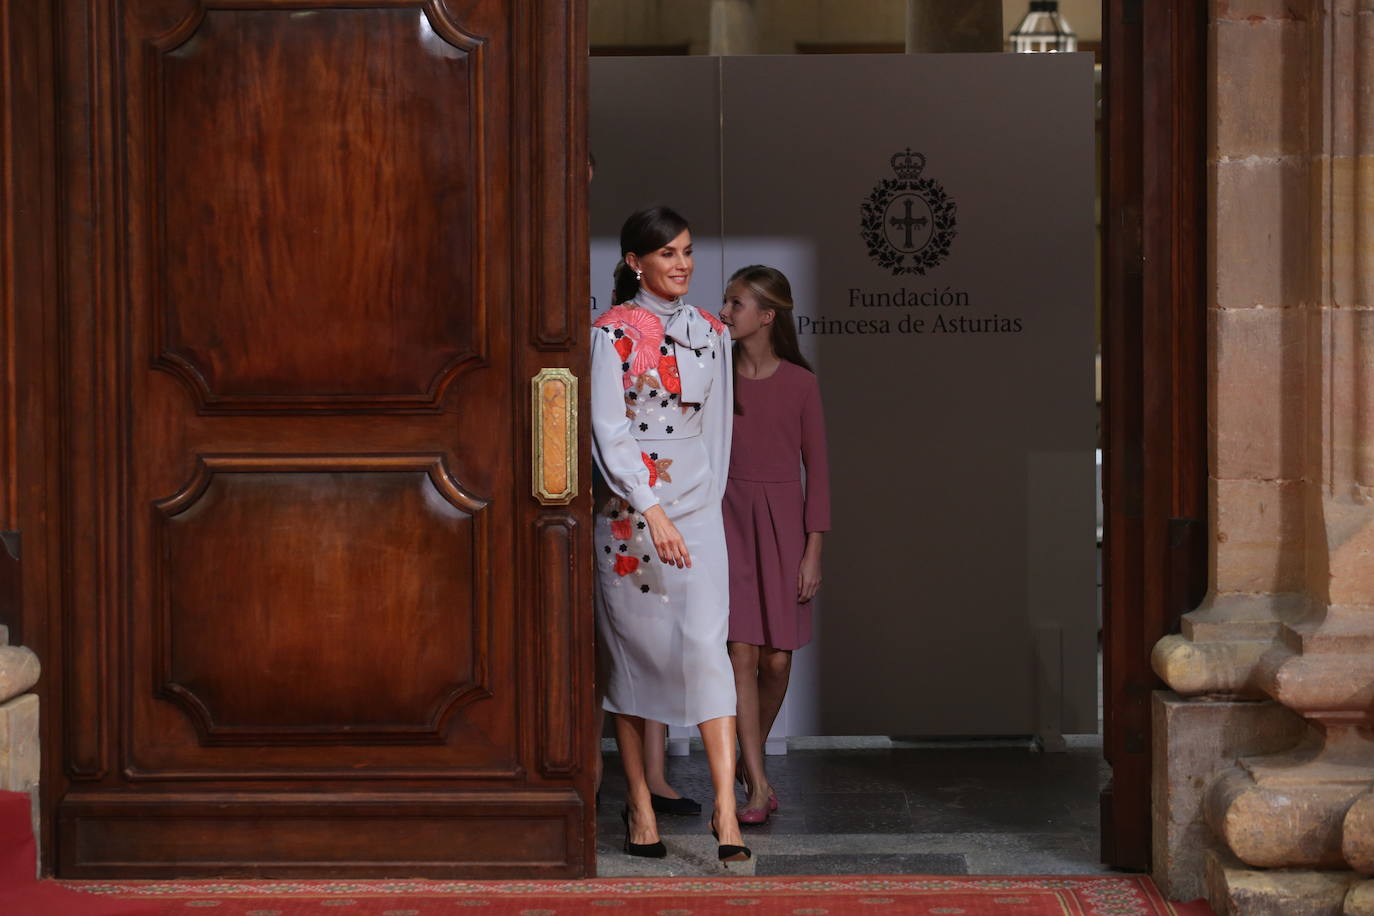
(1044, 30)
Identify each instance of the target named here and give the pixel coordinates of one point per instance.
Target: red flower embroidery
(642, 328)
(624, 565)
(715, 322)
(658, 468)
(667, 374)
(622, 528)
(623, 346)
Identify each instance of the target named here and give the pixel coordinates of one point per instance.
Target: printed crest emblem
(908, 221)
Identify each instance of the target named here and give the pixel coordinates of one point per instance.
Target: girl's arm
(817, 463)
(817, 515)
(809, 576)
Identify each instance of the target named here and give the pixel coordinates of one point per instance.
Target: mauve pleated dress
(768, 511)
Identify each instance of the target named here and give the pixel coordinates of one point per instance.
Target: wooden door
(312, 617)
(1154, 480)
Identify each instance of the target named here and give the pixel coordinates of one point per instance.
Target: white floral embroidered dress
(662, 415)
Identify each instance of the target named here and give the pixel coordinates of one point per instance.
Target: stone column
(1260, 256)
(734, 28)
(939, 26)
(18, 722)
(1290, 615)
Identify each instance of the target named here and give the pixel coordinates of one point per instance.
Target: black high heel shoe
(729, 852)
(644, 850)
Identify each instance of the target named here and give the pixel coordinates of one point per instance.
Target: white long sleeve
(718, 425)
(614, 447)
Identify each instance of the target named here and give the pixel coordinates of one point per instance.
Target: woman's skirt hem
(658, 716)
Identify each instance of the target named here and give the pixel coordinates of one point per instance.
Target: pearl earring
(639, 275)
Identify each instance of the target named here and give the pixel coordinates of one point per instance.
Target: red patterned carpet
(829, 896)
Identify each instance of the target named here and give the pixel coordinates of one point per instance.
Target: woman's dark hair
(644, 232)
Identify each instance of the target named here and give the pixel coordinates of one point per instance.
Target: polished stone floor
(895, 808)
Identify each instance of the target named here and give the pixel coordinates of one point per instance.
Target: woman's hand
(809, 578)
(672, 549)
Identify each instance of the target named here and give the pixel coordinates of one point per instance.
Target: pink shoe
(753, 816)
(772, 802)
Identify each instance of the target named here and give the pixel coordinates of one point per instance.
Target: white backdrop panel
(961, 463)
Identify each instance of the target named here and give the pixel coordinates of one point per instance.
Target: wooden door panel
(319, 172)
(317, 621)
(299, 151)
(361, 596)
(295, 837)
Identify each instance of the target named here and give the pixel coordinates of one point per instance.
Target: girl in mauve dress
(773, 524)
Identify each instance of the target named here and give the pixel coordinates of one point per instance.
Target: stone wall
(1288, 623)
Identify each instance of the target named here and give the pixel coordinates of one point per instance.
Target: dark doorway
(1154, 379)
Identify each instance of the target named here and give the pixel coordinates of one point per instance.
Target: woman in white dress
(661, 422)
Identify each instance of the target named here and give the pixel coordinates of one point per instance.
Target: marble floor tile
(993, 808)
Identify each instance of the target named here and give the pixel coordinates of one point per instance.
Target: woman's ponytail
(626, 284)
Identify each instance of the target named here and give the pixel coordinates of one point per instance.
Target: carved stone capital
(1222, 643)
(1323, 669)
(1357, 839)
(1359, 900)
(1289, 810)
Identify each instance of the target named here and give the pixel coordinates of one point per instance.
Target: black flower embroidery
(653, 456)
(663, 404)
(639, 525)
(646, 558)
(624, 548)
(624, 367)
(663, 351)
(643, 427)
(607, 548)
(654, 393)
(619, 333)
(670, 430)
(632, 395)
(696, 407)
(644, 589)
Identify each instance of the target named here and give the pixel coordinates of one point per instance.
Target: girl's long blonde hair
(773, 291)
